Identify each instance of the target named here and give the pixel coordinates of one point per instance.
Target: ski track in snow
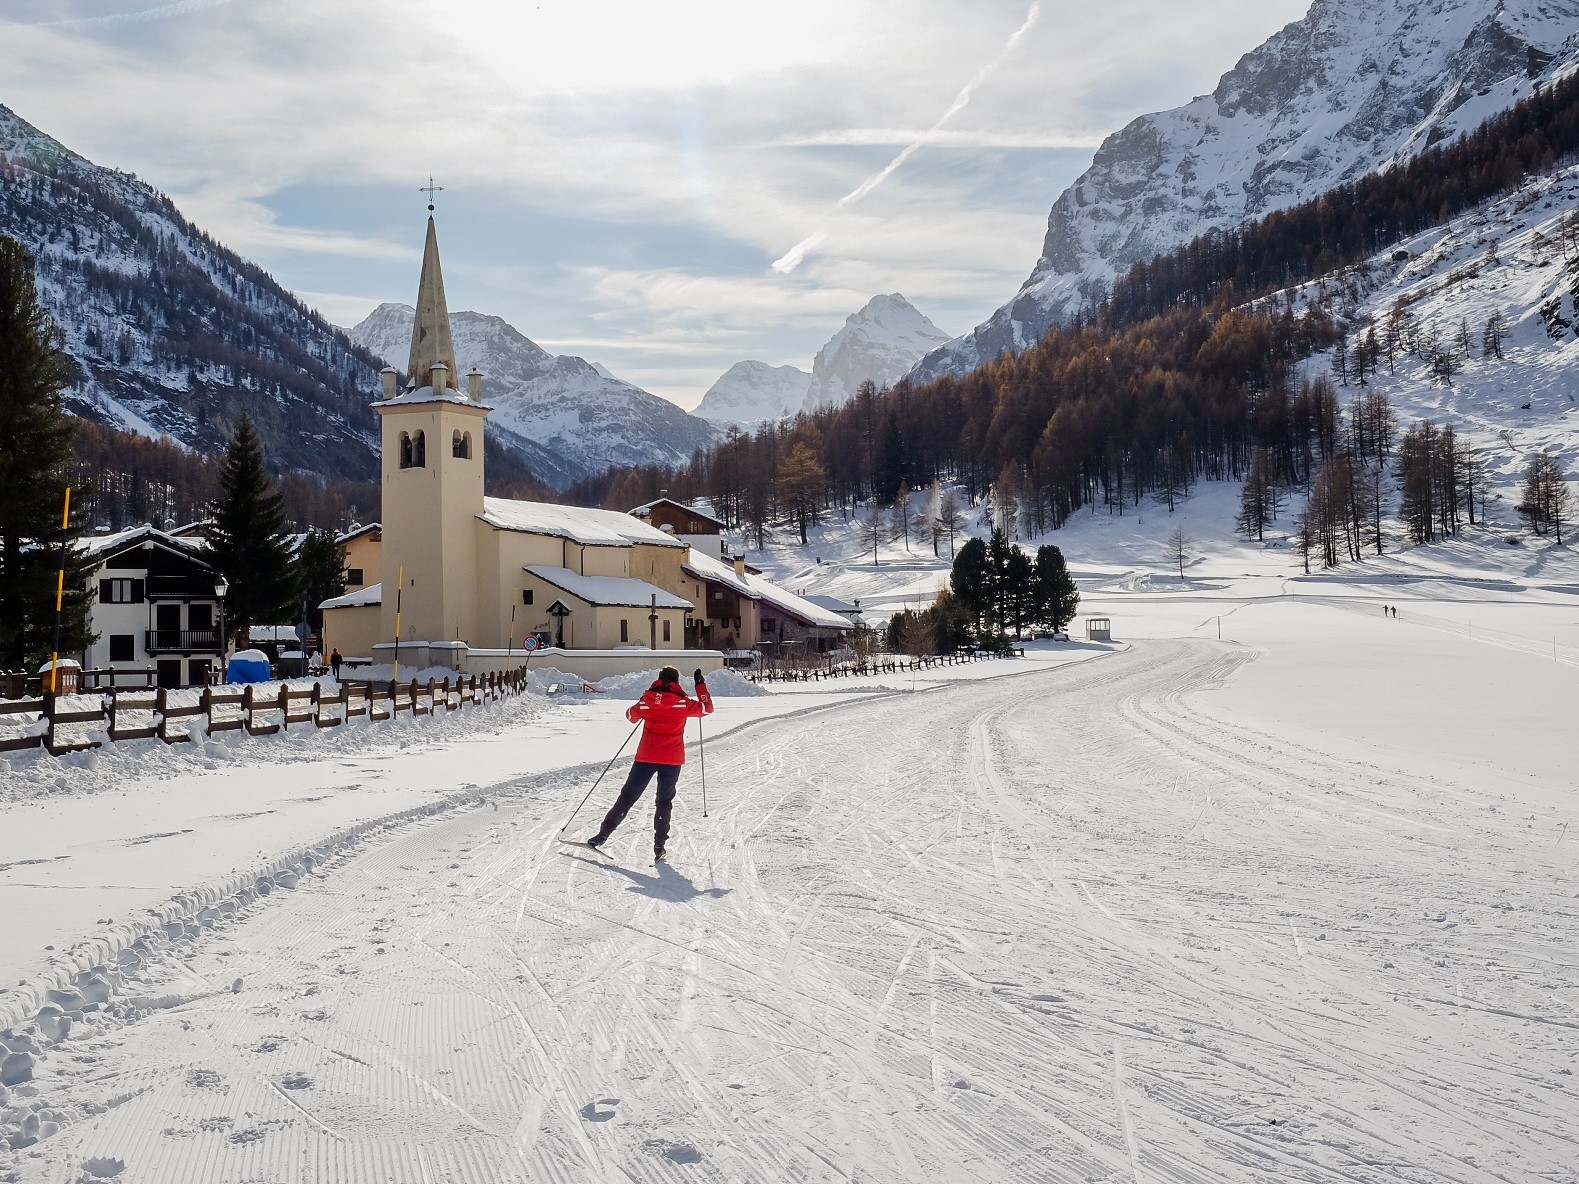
(1067, 926)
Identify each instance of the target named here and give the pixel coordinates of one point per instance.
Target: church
(464, 579)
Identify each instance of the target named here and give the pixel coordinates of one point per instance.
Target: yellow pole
(60, 596)
(400, 584)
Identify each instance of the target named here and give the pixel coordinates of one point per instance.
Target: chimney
(663, 493)
(388, 376)
(740, 565)
(441, 377)
(474, 385)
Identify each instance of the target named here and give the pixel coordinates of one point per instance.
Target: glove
(700, 681)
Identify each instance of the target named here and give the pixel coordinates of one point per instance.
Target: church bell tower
(432, 481)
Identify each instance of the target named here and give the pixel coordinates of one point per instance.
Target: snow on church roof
(611, 591)
(587, 528)
(372, 594)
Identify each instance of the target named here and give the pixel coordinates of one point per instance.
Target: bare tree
(873, 528)
(1179, 548)
(948, 516)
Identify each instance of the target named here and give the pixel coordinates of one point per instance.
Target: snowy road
(1082, 924)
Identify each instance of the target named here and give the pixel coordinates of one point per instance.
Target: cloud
(880, 137)
(621, 173)
(796, 255)
(163, 12)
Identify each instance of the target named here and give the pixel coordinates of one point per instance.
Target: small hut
(1099, 629)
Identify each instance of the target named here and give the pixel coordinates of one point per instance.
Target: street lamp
(221, 586)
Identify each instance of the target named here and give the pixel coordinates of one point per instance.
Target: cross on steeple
(430, 189)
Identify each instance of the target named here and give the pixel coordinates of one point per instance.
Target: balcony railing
(182, 641)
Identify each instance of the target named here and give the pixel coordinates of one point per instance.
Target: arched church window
(461, 445)
(419, 451)
(405, 450)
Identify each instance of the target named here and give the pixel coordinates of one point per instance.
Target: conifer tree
(320, 567)
(35, 444)
(247, 539)
(1056, 596)
(968, 580)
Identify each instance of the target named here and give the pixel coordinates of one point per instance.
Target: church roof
(609, 591)
(372, 594)
(586, 528)
(430, 333)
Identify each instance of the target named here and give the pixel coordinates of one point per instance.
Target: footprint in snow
(673, 1152)
(102, 1167)
(594, 1111)
(297, 1081)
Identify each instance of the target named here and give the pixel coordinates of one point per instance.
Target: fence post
(206, 702)
(413, 697)
(317, 706)
(109, 712)
(246, 709)
(161, 702)
(48, 712)
(285, 708)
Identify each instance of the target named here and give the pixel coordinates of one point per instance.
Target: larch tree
(801, 482)
(36, 542)
(248, 542)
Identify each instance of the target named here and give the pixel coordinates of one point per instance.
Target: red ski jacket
(665, 709)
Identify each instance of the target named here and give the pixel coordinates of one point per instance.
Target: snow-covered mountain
(1352, 86)
(170, 332)
(752, 392)
(879, 343)
(566, 417)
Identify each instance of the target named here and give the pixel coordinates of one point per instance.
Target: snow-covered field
(1294, 905)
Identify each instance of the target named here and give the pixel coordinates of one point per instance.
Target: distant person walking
(663, 712)
(334, 663)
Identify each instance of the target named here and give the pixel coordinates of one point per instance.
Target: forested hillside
(1181, 378)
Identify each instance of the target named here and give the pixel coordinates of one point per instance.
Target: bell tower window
(461, 445)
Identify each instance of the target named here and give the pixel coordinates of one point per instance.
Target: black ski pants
(642, 772)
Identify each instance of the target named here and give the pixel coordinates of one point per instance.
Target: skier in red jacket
(663, 711)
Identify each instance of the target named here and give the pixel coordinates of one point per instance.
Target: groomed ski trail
(1064, 927)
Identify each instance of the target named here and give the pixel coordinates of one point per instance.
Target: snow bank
(545, 680)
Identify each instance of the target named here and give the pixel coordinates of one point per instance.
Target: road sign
(530, 643)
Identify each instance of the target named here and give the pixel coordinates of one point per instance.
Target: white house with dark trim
(155, 606)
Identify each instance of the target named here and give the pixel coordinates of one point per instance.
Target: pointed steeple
(430, 336)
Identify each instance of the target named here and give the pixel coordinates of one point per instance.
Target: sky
(664, 187)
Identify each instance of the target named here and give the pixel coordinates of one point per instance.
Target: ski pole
(601, 775)
(701, 748)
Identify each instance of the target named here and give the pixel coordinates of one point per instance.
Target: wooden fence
(146, 715)
(880, 664)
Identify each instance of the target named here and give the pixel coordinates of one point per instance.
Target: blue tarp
(249, 666)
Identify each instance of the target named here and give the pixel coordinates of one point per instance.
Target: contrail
(163, 12)
(794, 256)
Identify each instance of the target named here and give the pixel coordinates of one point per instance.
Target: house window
(199, 616)
(123, 647)
(120, 591)
(353, 575)
(666, 630)
(769, 624)
(719, 595)
(526, 596)
(625, 630)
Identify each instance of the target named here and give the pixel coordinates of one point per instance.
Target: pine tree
(968, 580)
(320, 567)
(247, 539)
(1056, 596)
(35, 444)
